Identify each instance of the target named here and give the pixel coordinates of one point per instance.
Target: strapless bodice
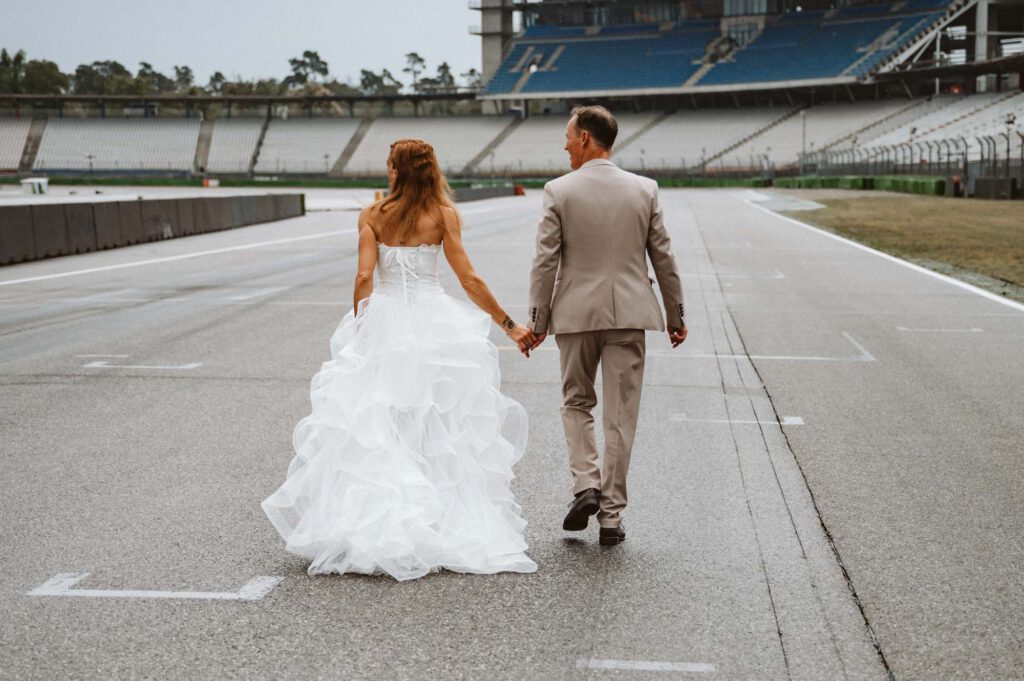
(408, 271)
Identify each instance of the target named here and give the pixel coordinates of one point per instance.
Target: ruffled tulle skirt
(405, 462)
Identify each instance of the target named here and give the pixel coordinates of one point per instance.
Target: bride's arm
(472, 283)
(367, 260)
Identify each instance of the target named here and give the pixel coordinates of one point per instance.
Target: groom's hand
(677, 336)
(538, 339)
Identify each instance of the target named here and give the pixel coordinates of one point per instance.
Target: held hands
(677, 336)
(523, 337)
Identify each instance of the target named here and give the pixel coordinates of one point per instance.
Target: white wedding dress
(404, 465)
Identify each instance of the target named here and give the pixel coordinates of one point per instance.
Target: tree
(414, 66)
(183, 78)
(150, 81)
(378, 84)
(45, 78)
(12, 72)
(103, 78)
(445, 79)
(306, 68)
(472, 78)
(216, 83)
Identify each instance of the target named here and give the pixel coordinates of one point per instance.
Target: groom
(590, 287)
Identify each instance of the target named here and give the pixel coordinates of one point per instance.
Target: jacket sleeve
(659, 249)
(545, 263)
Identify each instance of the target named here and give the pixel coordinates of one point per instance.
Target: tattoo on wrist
(507, 323)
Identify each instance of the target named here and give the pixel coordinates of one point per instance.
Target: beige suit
(590, 287)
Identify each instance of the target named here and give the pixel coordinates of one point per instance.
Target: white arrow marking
(60, 585)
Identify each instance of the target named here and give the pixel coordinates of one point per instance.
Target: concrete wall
(46, 230)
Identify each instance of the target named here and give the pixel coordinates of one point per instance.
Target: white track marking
(645, 665)
(970, 330)
(917, 268)
(775, 274)
(100, 364)
(786, 421)
(183, 256)
(258, 293)
(60, 585)
(864, 355)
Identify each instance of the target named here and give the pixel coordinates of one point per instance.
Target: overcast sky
(250, 38)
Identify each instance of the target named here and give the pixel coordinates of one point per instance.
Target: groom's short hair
(599, 122)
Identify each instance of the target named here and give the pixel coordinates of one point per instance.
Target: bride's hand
(523, 338)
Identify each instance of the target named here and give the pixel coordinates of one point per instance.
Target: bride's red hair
(420, 187)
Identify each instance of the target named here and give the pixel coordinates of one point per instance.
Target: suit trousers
(620, 353)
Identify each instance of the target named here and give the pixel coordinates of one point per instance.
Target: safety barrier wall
(477, 193)
(45, 230)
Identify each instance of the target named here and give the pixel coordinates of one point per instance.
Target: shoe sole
(611, 541)
(578, 521)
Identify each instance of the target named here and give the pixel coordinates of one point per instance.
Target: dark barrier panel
(107, 216)
(238, 211)
(16, 243)
(288, 206)
(131, 222)
(80, 226)
(265, 208)
(186, 216)
(49, 230)
(159, 220)
(477, 193)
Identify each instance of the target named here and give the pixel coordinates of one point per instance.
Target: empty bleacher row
(304, 146)
(13, 135)
(456, 141)
(505, 146)
(118, 145)
(798, 46)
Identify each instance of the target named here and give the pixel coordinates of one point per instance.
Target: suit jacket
(590, 271)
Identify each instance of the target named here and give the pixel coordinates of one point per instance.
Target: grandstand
(304, 146)
(13, 135)
(457, 141)
(730, 88)
(536, 147)
(233, 145)
(118, 145)
(695, 55)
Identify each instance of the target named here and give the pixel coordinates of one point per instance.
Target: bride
(404, 465)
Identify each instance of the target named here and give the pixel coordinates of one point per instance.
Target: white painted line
(100, 364)
(645, 665)
(917, 268)
(102, 355)
(864, 355)
(258, 293)
(60, 585)
(775, 274)
(786, 421)
(971, 330)
(183, 256)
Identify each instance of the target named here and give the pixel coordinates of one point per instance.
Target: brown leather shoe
(612, 535)
(580, 509)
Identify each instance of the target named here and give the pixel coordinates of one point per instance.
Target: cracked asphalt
(826, 481)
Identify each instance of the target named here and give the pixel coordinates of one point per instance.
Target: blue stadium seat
(793, 46)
